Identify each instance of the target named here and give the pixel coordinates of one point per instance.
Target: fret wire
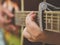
(58, 22)
(46, 20)
(46, 17)
(51, 21)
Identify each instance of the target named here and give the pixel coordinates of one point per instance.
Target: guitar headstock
(49, 19)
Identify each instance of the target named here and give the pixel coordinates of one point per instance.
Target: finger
(7, 21)
(30, 17)
(29, 20)
(33, 17)
(4, 20)
(1, 19)
(12, 27)
(31, 13)
(33, 30)
(26, 34)
(31, 34)
(32, 27)
(7, 12)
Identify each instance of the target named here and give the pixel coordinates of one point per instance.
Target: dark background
(54, 2)
(32, 5)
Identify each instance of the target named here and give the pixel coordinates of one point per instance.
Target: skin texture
(13, 5)
(2, 17)
(32, 32)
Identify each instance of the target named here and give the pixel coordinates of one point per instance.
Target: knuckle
(37, 35)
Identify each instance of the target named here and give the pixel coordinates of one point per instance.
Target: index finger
(7, 12)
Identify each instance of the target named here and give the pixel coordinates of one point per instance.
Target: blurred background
(20, 8)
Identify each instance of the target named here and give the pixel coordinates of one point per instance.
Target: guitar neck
(52, 21)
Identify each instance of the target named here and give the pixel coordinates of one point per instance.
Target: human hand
(32, 31)
(3, 20)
